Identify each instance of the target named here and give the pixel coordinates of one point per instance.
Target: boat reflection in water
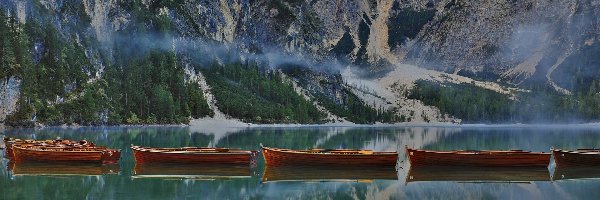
(576, 173)
(327, 173)
(192, 171)
(62, 169)
(478, 174)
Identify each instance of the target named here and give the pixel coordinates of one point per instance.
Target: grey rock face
(514, 41)
(9, 95)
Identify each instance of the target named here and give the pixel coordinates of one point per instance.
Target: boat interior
(334, 151)
(62, 148)
(514, 151)
(191, 150)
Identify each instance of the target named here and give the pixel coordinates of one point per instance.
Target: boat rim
(54, 150)
(476, 152)
(375, 153)
(183, 151)
(581, 152)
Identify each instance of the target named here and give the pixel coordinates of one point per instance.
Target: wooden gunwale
(579, 151)
(61, 149)
(476, 151)
(332, 153)
(191, 151)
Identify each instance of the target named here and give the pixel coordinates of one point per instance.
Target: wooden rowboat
(512, 158)
(581, 157)
(477, 174)
(193, 155)
(33, 153)
(328, 174)
(345, 157)
(9, 142)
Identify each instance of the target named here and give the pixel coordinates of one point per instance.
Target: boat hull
(576, 172)
(8, 148)
(276, 157)
(233, 158)
(8, 152)
(575, 158)
(37, 155)
(487, 159)
(10, 142)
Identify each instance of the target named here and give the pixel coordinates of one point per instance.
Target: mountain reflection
(61, 169)
(478, 174)
(188, 171)
(326, 173)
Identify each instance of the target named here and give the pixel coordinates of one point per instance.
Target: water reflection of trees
(528, 138)
(122, 137)
(390, 139)
(303, 138)
(251, 138)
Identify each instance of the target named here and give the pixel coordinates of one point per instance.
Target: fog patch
(206, 52)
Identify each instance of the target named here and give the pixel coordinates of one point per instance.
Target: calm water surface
(128, 181)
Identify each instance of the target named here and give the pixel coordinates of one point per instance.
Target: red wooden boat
(581, 157)
(512, 158)
(35, 153)
(193, 155)
(9, 142)
(345, 157)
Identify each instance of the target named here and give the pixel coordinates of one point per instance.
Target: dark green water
(334, 184)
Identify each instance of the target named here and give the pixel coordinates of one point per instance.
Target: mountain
(301, 61)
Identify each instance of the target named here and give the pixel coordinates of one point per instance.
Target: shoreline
(214, 123)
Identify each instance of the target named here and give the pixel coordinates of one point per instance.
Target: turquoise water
(126, 181)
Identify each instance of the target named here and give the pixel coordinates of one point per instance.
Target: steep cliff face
(9, 95)
(505, 39)
(510, 40)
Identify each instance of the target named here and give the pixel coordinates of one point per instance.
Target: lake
(128, 181)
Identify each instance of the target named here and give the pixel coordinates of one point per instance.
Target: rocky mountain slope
(516, 43)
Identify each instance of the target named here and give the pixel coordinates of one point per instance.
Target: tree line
(61, 86)
(256, 94)
(478, 105)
